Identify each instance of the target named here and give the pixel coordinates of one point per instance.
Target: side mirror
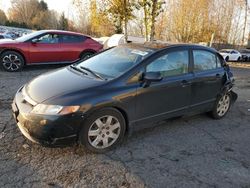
(152, 77)
(149, 77)
(35, 40)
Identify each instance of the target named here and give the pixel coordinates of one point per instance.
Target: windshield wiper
(77, 69)
(92, 72)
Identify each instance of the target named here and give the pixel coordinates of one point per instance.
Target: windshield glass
(116, 61)
(29, 36)
(225, 51)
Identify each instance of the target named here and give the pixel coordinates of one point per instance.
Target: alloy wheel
(11, 62)
(104, 132)
(223, 105)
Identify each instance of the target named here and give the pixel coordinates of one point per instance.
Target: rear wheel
(238, 59)
(11, 61)
(86, 55)
(222, 106)
(103, 130)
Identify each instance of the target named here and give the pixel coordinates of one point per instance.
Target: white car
(5, 36)
(245, 54)
(230, 54)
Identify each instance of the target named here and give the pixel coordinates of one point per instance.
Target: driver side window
(48, 39)
(171, 64)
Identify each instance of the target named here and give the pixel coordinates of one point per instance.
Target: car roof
(229, 49)
(157, 46)
(63, 32)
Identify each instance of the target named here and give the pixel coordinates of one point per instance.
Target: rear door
(46, 49)
(208, 78)
(72, 46)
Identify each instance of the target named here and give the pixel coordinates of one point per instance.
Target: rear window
(72, 38)
(204, 60)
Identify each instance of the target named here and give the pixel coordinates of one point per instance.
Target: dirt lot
(189, 152)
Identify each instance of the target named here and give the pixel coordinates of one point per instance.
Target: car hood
(223, 54)
(7, 41)
(57, 83)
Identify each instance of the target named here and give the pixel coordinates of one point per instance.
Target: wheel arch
(87, 50)
(15, 50)
(125, 115)
(114, 107)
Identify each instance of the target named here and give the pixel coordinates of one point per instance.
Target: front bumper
(46, 130)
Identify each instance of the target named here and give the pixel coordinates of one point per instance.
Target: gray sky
(58, 5)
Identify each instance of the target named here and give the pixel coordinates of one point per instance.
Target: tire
(11, 61)
(86, 55)
(227, 59)
(238, 59)
(222, 106)
(98, 135)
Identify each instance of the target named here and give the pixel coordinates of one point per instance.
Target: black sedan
(96, 102)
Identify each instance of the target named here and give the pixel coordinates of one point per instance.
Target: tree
(3, 17)
(42, 6)
(45, 20)
(100, 23)
(245, 21)
(122, 12)
(63, 22)
(23, 11)
(93, 18)
(151, 9)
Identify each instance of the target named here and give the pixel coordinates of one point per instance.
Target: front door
(171, 95)
(46, 49)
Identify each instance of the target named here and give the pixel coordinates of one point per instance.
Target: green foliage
(121, 11)
(63, 22)
(42, 6)
(151, 9)
(3, 17)
(16, 24)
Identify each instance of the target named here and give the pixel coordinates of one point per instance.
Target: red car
(46, 47)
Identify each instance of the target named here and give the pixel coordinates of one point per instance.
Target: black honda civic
(96, 102)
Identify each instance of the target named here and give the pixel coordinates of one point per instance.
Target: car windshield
(114, 62)
(29, 36)
(225, 51)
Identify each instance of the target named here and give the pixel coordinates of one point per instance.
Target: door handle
(185, 83)
(218, 76)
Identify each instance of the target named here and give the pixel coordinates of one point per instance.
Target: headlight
(54, 109)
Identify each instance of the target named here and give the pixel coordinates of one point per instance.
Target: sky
(58, 5)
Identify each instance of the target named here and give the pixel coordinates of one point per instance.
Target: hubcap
(104, 132)
(11, 62)
(223, 105)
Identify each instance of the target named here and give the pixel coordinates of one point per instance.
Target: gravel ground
(188, 152)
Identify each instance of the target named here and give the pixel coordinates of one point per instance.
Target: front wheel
(103, 130)
(227, 59)
(11, 61)
(222, 106)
